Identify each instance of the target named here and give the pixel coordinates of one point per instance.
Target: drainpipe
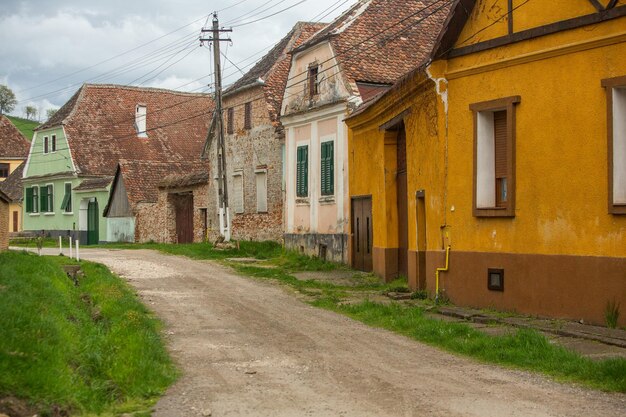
(445, 269)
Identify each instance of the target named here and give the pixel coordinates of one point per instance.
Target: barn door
(93, 232)
(362, 233)
(184, 218)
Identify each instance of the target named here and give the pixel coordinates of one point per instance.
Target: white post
(77, 251)
(60, 245)
(70, 247)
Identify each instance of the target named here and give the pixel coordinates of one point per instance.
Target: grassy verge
(91, 350)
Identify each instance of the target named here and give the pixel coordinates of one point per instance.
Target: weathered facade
(13, 152)
(74, 155)
(254, 141)
(514, 135)
(331, 74)
(161, 202)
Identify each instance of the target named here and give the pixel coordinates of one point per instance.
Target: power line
(270, 15)
(238, 18)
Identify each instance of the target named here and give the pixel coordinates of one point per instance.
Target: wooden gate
(184, 218)
(93, 229)
(15, 221)
(362, 233)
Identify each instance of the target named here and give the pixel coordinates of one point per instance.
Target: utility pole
(224, 215)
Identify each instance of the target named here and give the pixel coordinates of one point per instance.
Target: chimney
(140, 120)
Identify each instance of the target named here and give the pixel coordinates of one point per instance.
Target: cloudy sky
(49, 48)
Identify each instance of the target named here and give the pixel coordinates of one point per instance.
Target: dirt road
(249, 348)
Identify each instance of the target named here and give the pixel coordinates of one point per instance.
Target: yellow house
(14, 149)
(513, 140)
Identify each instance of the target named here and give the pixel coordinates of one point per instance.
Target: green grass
(92, 349)
(522, 349)
(25, 126)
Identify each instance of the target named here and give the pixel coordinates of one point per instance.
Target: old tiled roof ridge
(378, 41)
(12, 143)
(99, 123)
(12, 185)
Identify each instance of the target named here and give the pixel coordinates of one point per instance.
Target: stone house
(162, 202)
(74, 155)
(13, 152)
(4, 220)
(254, 141)
(515, 161)
(332, 73)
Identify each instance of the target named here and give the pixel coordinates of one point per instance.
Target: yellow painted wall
(561, 204)
(13, 164)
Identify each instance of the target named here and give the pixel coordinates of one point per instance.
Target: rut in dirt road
(249, 348)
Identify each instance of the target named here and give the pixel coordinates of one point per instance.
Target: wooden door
(362, 234)
(184, 218)
(403, 215)
(93, 224)
(15, 221)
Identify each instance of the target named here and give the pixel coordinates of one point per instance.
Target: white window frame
(45, 145)
(50, 186)
(242, 209)
(68, 213)
(53, 143)
(259, 209)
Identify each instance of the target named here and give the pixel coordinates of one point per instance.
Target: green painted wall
(52, 162)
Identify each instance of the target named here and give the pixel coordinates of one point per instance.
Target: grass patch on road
(92, 349)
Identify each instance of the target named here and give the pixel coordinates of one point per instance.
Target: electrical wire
(270, 15)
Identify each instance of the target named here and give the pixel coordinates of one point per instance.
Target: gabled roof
(378, 41)
(12, 143)
(99, 122)
(12, 185)
(273, 69)
(94, 184)
(453, 26)
(4, 197)
(142, 178)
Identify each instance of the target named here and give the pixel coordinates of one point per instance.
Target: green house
(74, 155)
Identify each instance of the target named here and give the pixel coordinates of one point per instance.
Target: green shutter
(29, 200)
(43, 198)
(302, 171)
(66, 199)
(66, 205)
(327, 168)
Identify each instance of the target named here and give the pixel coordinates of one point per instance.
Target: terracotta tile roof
(409, 30)
(12, 185)
(274, 67)
(142, 178)
(94, 184)
(12, 143)
(99, 122)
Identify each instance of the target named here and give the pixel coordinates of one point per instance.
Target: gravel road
(250, 348)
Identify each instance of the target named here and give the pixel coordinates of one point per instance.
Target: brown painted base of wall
(569, 287)
(385, 263)
(561, 286)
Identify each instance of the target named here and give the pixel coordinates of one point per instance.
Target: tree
(50, 113)
(7, 100)
(31, 112)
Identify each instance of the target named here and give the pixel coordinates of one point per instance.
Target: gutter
(256, 83)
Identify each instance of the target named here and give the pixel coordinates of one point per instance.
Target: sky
(50, 48)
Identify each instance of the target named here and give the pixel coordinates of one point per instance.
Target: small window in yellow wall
(616, 143)
(494, 157)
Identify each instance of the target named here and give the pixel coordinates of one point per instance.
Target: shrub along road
(248, 347)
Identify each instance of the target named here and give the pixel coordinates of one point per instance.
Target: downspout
(444, 269)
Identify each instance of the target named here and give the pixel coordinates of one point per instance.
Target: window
(616, 143)
(53, 143)
(4, 170)
(261, 190)
(32, 200)
(140, 120)
(302, 171)
(45, 144)
(47, 199)
(494, 157)
(238, 192)
(327, 168)
(313, 84)
(247, 122)
(66, 205)
(230, 121)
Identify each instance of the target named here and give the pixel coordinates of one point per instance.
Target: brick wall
(4, 225)
(157, 221)
(247, 151)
